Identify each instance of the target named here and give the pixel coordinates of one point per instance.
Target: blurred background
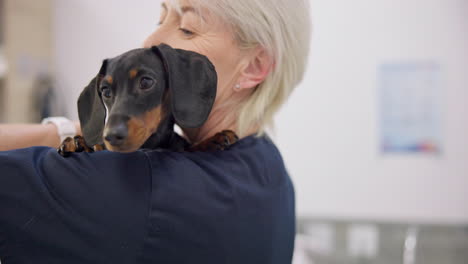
(375, 138)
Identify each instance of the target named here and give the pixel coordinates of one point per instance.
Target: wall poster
(410, 107)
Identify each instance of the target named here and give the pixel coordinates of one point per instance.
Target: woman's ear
(257, 66)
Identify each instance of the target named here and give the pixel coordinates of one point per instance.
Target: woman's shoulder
(253, 163)
(253, 158)
(243, 193)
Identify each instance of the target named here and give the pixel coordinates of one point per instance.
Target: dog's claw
(75, 144)
(98, 147)
(220, 141)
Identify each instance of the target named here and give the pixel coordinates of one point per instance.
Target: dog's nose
(116, 135)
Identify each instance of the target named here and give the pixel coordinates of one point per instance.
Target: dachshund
(137, 97)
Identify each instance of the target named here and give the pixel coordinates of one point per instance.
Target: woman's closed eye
(189, 25)
(186, 32)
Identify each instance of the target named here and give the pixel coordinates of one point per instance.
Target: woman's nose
(159, 36)
(152, 40)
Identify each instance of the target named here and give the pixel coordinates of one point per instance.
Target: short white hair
(282, 28)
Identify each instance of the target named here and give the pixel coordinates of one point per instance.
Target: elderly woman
(233, 206)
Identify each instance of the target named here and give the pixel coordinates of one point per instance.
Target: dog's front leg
(76, 144)
(220, 141)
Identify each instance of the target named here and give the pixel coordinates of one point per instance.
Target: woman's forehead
(200, 8)
(179, 4)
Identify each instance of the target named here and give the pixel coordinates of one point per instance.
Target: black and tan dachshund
(137, 97)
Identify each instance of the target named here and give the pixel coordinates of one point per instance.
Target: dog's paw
(98, 147)
(75, 144)
(220, 141)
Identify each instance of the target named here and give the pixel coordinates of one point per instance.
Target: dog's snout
(116, 135)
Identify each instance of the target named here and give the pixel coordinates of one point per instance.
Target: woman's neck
(223, 116)
(217, 122)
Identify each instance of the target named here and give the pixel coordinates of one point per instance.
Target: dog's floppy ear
(91, 110)
(192, 81)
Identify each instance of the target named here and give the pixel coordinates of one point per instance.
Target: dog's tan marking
(109, 79)
(68, 145)
(139, 130)
(153, 118)
(98, 147)
(133, 73)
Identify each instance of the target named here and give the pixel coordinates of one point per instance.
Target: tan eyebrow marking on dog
(109, 79)
(133, 73)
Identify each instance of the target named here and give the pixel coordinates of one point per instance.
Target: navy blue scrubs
(234, 206)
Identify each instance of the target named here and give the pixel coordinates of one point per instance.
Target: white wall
(328, 131)
(88, 31)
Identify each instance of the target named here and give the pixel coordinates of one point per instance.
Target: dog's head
(134, 94)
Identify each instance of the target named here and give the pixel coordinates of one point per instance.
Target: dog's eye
(106, 91)
(146, 83)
